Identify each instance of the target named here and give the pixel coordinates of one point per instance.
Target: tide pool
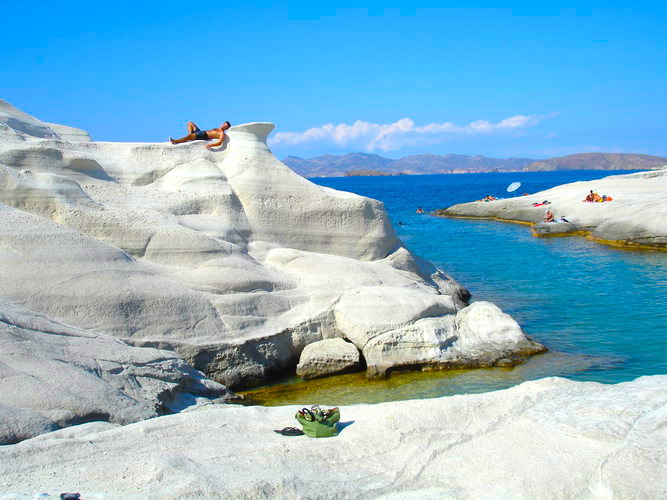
(601, 311)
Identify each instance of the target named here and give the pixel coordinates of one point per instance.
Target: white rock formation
(328, 357)
(14, 120)
(227, 257)
(69, 133)
(637, 216)
(52, 376)
(551, 438)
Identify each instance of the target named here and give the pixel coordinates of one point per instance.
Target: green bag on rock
(318, 423)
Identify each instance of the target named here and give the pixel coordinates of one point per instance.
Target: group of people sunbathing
(593, 197)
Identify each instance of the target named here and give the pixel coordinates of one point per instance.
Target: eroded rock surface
(53, 376)
(637, 216)
(328, 357)
(551, 438)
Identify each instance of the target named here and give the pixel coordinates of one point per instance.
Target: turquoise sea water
(601, 311)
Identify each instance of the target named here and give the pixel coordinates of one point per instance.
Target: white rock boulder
(328, 357)
(478, 336)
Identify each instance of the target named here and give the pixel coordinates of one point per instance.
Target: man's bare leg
(190, 137)
(187, 138)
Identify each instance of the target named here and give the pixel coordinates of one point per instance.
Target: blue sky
(524, 80)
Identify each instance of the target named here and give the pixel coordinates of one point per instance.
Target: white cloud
(404, 132)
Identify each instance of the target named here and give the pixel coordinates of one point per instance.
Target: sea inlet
(601, 311)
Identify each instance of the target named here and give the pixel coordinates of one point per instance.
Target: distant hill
(598, 161)
(340, 165)
(455, 164)
(372, 164)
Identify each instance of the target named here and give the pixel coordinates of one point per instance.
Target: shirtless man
(195, 134)
(548, 216)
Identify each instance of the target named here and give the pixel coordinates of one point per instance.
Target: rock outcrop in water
(636, 217)
(226, 257)
(551, 438)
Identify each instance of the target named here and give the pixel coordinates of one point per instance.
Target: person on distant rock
(195, 134)
(593, 197)
(549, 216)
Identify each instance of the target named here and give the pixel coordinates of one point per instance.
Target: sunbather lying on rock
(195, 134)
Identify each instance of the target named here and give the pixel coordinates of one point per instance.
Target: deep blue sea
(601, 311)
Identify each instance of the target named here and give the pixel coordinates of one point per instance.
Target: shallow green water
(601, 311)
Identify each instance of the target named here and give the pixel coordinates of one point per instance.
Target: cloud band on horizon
(404, 132)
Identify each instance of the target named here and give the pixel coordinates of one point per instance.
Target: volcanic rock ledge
(226, 257)
(636, 218)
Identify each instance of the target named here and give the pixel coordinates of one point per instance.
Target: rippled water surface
(601, 311)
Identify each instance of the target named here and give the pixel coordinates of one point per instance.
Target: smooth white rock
(328, 357)
(550, 438)
(636, 215)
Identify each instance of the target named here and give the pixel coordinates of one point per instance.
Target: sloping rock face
(637, 216)
(14, 120)
(227, 257)
(551, 438)
(53, 376)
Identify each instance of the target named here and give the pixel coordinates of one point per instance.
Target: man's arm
(218, 142)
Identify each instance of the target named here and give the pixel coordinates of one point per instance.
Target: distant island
(358, 164)
(369, 173)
